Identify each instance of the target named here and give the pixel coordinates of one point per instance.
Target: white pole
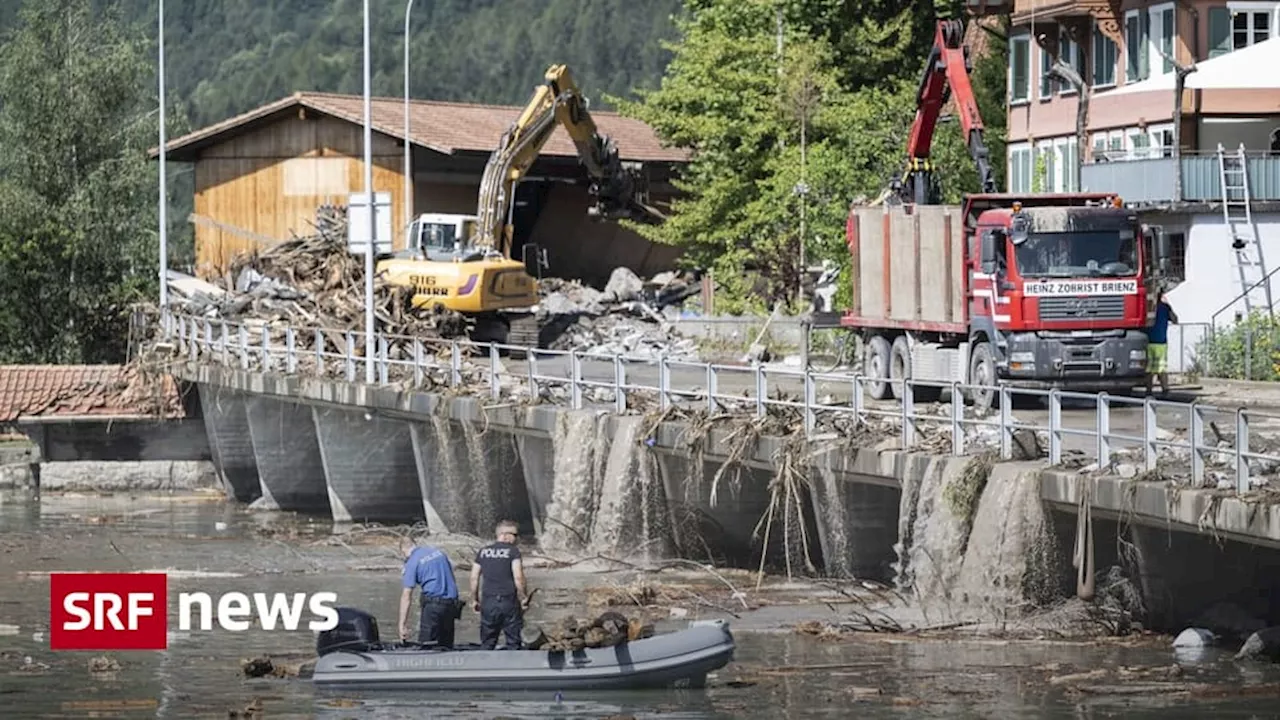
(164, 215)
(373, 206)
(404, 168)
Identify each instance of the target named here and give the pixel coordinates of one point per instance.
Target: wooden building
(260, 177)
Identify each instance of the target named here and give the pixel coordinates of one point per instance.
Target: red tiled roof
(441, 126)
(79, 390)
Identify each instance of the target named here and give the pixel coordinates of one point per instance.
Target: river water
(212, 546)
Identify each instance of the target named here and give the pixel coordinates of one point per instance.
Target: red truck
(1039, 290)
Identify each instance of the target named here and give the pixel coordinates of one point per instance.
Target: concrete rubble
(629, 317)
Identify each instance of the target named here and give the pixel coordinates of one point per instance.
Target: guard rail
(601, 380)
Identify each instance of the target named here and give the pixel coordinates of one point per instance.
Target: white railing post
(418, 360)
(455, 363)
(1103, 427)
(243, 342)
(810, 400)
(1055, 426)
(1150, 438)
(575, 380)
(351, 356)
(957, 419)
(1195, 432)
(495, 377)
(1242, 450)
(908, 408)
(762, 390)
(664, 382)
(532, 367)
(384, 351)
(290, 350)
(320, 363)
(619, 385)
(1006, 421)
(712, 388)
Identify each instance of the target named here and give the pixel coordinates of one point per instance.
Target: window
(1020, 168)
(1160, 138)
(1019, 69)
(1070, 53)
(1162, 34)
(1241, 24)
(1047, 83)
(1249, 27)
(1177, 255)
(1104, 59)
(1056, 161)
(1137, 40)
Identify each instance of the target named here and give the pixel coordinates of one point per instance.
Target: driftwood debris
(607, 630)
(314, 280)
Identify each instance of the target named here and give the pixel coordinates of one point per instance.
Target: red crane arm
(946, 75)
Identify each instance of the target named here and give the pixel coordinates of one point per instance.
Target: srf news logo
(129, 611)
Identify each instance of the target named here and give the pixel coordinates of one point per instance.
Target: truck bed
(908, 269)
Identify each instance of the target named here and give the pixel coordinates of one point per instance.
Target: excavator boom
(946, 75)
(557, 99)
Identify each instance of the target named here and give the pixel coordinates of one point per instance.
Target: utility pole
(164, 195)
(373, 209)
(408, 179)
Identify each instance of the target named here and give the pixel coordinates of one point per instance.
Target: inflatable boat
(352, 656)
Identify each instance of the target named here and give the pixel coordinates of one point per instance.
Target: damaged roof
(85, 390)
(445, 127)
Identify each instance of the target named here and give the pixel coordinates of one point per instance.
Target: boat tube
(351, 655)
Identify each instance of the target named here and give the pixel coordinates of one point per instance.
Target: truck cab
(1064, 287)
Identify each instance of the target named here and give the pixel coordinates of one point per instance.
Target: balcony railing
(1151, 180)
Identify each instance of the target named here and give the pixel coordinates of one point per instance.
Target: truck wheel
(875, 365)
(982, 372)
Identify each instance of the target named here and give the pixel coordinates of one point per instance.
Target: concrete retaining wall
(877, 512)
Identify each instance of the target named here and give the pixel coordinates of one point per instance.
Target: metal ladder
(1237, 216)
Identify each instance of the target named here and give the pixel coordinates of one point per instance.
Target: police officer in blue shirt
(428, 568)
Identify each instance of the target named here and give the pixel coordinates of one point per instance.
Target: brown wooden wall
(269, 182)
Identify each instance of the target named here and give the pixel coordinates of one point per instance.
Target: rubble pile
(629, 317)
(312, 280)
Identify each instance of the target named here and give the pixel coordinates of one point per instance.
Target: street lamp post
(404, 168)
(373, 208)
(164, 215)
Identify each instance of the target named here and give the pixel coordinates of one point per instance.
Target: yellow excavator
(465, 264)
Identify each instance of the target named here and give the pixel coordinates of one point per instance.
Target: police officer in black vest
(502, 598)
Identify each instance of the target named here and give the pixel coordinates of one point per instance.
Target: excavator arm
(946, 75)
(613, 185)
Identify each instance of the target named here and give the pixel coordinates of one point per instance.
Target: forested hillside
(227, 56)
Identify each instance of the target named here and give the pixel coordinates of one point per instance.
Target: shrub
(1252, 344)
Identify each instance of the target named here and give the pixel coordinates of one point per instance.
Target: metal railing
(1112, 431)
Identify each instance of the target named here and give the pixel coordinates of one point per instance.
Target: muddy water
(210, 546)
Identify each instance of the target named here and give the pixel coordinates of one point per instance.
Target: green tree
(77, 191)
(741, 108)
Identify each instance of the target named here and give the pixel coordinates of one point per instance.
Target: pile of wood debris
(607, 630)
(313, 280)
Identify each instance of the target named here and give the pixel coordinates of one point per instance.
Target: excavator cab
(440, 236)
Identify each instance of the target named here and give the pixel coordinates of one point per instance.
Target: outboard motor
(356, 630)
